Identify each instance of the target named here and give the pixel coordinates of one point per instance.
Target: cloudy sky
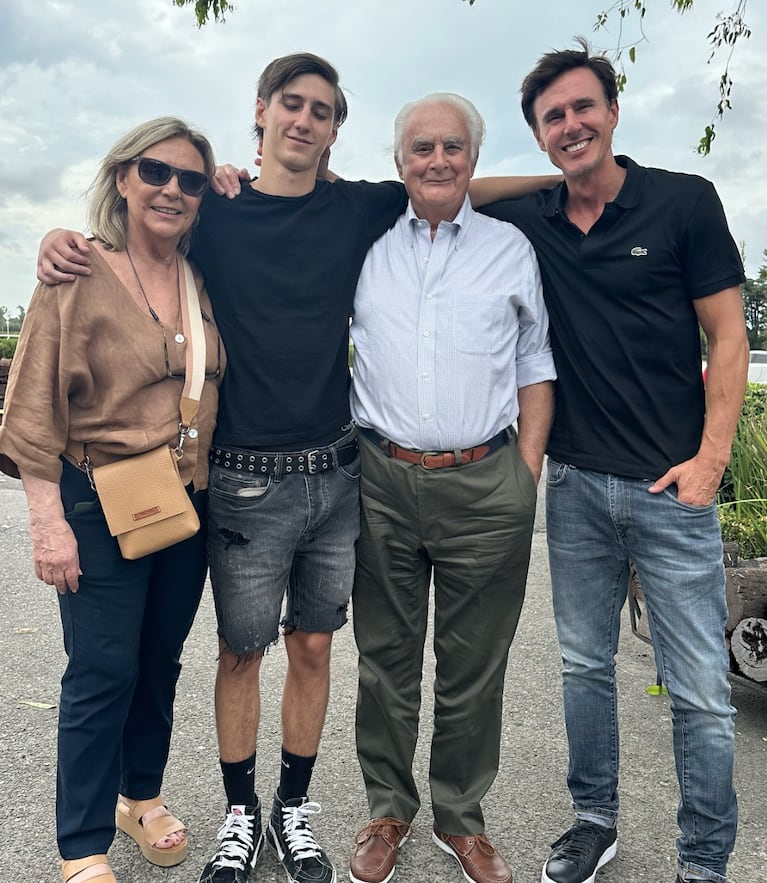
(75, 74)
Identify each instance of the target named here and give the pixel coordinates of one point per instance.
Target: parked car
(757, 366)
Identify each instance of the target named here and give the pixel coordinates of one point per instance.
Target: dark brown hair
(552, 65)
(278, 73)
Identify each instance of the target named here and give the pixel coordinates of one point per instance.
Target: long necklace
(179, 337)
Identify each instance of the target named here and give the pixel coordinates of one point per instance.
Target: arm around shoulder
(63, 255)
(483, 191)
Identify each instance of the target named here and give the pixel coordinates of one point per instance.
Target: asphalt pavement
(527, 808)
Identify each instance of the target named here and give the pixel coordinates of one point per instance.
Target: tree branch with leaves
(203, 9)
(729, 29)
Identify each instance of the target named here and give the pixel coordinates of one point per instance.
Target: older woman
(100, 366)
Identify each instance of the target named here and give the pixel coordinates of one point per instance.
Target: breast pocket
(479, 326)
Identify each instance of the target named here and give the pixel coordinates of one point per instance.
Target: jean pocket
(672, 494)
(352, 471)
(235, 486)
(556, 472)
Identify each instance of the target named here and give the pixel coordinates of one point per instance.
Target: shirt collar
(460, 222)
(628, 195)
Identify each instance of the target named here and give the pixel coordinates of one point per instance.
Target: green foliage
(10, 324)
(729, 29)
(754, 294)
(742, 498)
(203, 9)
(7, 347)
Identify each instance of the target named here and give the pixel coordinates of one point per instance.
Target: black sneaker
(290, 838)
(579, 853)
(240, 843)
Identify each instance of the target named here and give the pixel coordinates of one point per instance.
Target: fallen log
(749, 647)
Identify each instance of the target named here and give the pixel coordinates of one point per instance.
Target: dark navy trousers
(124, 630)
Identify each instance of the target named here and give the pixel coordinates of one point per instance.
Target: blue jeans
(597, 524)
(267, 537)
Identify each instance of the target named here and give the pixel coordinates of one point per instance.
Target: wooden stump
(749, 648)
(746, 630)
(746, 589)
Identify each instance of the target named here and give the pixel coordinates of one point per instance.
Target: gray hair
(107, 210)
(474, 122)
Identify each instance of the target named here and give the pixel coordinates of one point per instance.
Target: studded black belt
(279, 463)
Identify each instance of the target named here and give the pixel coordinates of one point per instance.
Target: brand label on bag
(137, 516)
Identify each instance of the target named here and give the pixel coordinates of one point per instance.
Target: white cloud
(75, 74)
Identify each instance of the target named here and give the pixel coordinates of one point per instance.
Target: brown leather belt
(437, 459)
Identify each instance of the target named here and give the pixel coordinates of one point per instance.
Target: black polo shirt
(624, 332)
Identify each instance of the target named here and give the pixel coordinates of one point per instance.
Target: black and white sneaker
(580, 853)
(240, 843)
(290, 838)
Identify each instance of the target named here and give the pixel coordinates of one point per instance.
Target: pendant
(179, 338)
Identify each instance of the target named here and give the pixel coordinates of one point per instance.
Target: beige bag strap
(191, 320)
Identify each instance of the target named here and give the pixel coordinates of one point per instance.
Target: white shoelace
(297, 831)
(236, 836)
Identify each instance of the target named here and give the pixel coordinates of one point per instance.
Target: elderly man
(634, 260)
(451, 349)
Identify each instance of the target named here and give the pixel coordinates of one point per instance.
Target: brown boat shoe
(480, 861)
(374, 856)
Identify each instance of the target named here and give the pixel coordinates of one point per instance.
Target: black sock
(240, 781)
(295, 775)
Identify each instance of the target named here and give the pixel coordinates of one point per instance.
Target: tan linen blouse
(90, 370)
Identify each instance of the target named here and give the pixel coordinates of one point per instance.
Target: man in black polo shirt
(633, 259)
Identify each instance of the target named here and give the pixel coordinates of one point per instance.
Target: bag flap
(140, 490)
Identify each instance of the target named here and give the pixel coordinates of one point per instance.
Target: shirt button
(429, 296)
(425, 375)
(427, 416)
(426, 334)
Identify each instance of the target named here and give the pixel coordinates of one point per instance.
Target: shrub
(7, 347)
(742, 497)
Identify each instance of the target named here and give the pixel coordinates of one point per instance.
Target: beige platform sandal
(128, 816)
(71, 868)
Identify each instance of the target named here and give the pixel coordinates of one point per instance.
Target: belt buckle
(311, 461)
(426, 454)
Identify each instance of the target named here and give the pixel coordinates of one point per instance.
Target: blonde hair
(107, 210)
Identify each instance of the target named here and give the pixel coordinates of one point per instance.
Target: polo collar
(627, 198)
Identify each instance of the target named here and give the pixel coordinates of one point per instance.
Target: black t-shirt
(281, 273)
(624, 332)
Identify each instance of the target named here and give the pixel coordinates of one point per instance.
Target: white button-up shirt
(446, 330)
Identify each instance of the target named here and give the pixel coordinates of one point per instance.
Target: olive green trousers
(469, 528)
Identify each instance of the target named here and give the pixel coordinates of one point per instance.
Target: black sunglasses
(157, 173)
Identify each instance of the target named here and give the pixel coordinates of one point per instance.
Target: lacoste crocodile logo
(638, 252)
